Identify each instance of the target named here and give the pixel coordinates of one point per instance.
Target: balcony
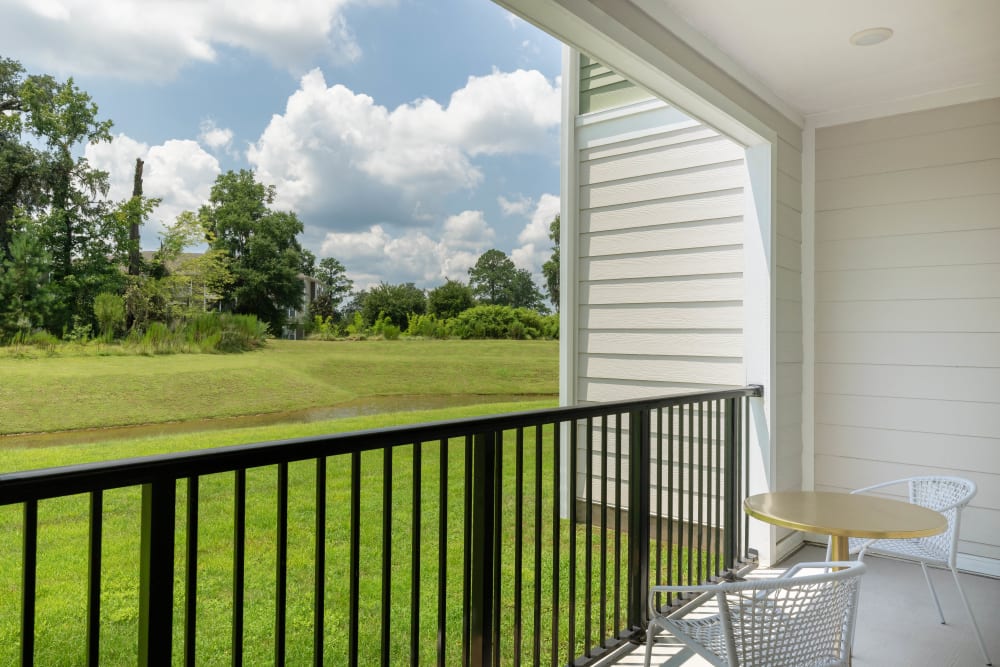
(527, 538)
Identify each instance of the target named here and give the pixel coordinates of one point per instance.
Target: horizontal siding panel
(789, 160)
(723, 204)
(664, 290)
(699, 153)
(837, 477)
(788, 381)
(909, 124)
(941, 315)
(596, 391)
(789, 284)
(937, 282)
(789, 254)
(598, 79)
(953, 248)
(789, 191)
(942, 215)
(959, 180)
(613, 95)
(789, 347)
(910, 349)
(707, 344)
(923, 382)
(689, 131)
(967, 144)
(689, 182)
(663, 316)
(980, 420)
(919, 449)
(789, 222)
(788, 413)
(788, 316)
(657, 369)
(669, 237)
(657, 265)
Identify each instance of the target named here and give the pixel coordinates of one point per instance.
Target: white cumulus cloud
(422, 257)
(345, 162)
(536, 246)
(154, 39)
(216, 138)
(178, 171)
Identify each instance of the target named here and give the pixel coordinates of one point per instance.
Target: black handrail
(699, 443)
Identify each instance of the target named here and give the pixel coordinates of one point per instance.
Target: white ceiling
(942, 52)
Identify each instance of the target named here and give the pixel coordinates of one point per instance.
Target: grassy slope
(87, 391)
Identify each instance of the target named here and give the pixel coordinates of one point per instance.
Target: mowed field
(76, 391)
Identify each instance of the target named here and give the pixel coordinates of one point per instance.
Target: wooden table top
(845, 515)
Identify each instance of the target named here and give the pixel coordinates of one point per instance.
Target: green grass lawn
(88, 390)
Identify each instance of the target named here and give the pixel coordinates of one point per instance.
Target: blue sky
(409, 136)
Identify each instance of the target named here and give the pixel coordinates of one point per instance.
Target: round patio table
(845, 515)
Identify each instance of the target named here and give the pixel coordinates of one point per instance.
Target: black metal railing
(526, 538)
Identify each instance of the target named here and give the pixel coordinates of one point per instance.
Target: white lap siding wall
(660, 259)
(908, 307)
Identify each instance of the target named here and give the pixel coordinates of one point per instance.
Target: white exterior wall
(908, 307)
(660, 259)
(622, 36)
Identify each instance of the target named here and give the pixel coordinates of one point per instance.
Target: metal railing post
(731, 477)
(483, 545)
(156, 573)
(638, 517)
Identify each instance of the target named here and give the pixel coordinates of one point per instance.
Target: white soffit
(942, 51)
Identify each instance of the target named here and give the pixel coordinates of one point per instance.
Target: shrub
(503, 322)
(109, 309)
(426, 326)
(324, 328)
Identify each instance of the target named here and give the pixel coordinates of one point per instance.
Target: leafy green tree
(395, 302)
(450, 299)
(496, 281)
(265, 256)
(25, 292)
(491, 278)
(524, 293)
(308, 263)
(332, 277)
(43, 125)
(550, 269)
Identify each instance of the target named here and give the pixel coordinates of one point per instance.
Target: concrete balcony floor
(897, 623)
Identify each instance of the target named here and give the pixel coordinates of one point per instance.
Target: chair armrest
(880, 485)
(825, 566)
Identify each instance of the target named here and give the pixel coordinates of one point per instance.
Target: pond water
(367, 406)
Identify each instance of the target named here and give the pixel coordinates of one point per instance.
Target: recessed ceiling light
(871, 36)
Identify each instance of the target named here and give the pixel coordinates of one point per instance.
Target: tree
(43, 124)
(496, 281)
(332, 277)
(550, 269)
(262, 245)
(492, 277)
(524, 293)
(396, 302)
(450, 299)
(25, 292)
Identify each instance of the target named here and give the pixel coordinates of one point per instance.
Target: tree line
(70, 260)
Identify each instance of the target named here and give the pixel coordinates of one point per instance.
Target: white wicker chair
(947, 495)
(787, 621)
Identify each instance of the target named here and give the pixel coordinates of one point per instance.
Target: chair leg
(930, 585)
(649, 643)
(975, 626)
